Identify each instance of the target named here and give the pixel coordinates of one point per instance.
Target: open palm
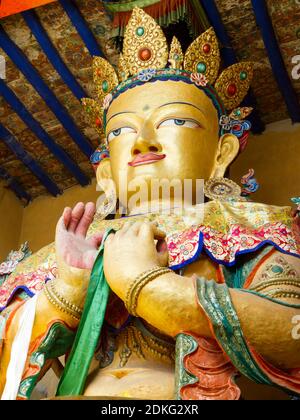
(72, 245)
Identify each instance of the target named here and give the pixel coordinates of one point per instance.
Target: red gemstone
(232, 89)
(206, 48)
(98, 122)
(145, 54)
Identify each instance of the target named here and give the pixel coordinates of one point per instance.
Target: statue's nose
(146, 142)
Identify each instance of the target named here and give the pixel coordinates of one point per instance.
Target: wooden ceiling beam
(33, 77)
(15, 146)
(42, 134)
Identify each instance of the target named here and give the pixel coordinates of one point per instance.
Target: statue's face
(162, 130)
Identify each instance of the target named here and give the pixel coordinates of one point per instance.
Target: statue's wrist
(136, 286)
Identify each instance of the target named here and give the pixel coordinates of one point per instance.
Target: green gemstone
(238, 113)
(176, 57)
(201, 68)
(277, 269)
(243, 75)
(140, 31)
(105, 86)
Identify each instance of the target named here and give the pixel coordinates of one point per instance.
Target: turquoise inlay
(277, 269)
(243, 75)
(201, 68)
(140, 31)
(105, 86)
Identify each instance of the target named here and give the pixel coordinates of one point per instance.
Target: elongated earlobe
(228, 150)
(104, 172)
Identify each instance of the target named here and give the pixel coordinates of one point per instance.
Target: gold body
(168, 303)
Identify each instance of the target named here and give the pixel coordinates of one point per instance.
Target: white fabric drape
(19, 350)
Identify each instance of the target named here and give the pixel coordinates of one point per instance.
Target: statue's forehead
(154, 95)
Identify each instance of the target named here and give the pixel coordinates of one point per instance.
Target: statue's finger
(162, 252)
(66, 217)
(151, 231)
(125, 228)
(77, 214)
(135, 228)
(158, 233)
(86, 219)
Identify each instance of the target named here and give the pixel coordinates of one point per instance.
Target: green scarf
(75, 373)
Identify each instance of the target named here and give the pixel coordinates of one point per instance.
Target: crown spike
(233, 84)
(105, 77)
(145, 45)
(176, 54)
(94, 114)
(123, 71)
(203, 56)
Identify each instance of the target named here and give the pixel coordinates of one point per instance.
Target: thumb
(162, 252)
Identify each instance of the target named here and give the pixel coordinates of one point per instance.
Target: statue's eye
(116, 133)
(179, 123)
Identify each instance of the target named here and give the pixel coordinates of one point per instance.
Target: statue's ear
(228, 150)
(104, 173)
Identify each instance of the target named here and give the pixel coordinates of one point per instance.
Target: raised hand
(72, 245)
(131, 251)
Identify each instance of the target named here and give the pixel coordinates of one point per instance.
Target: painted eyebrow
(169, 103)
(182, 103)
(120, 113)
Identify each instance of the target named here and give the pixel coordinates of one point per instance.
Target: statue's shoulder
(246, 214)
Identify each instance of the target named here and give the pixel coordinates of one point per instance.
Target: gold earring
(222, 189)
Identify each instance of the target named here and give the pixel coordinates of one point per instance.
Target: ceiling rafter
(15, 186)
(82, 27)
(277, 63)
(13, 144)
(52, 54)
(32, 75)
(44, 137)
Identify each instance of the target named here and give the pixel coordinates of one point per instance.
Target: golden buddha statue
(196, 297)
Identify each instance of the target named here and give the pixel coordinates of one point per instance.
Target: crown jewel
(146, 55)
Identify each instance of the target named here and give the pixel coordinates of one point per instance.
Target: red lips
(146, 159)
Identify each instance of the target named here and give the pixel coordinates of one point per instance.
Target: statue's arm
(73, 250)
(171, 304)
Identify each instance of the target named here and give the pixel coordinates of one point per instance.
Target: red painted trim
(11, 7)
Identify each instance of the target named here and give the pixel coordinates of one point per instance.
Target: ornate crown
(146, 57)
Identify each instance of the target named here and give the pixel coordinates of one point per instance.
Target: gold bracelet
(60, 302)
(275, 282)
(138, 284)
(283, 293)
